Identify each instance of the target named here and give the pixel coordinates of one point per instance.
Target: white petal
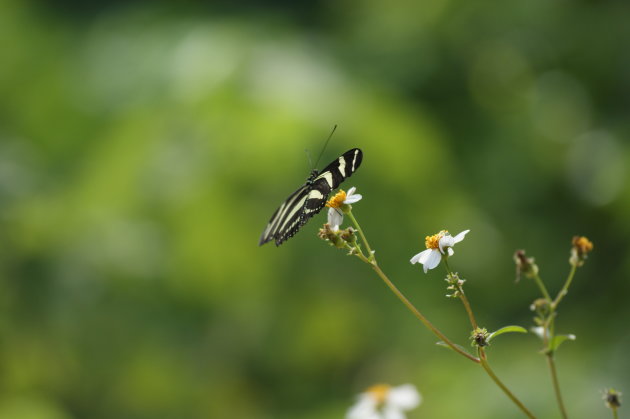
(335, 218)
(538, 331)
(405, 397)
(416, 258)
(421, 257)
(351, 191)
(446, 241)
(433, 260)
(451, 252)
(424, 256)
(364, 408)
(351, 199)
(391, 412)
(460, 236)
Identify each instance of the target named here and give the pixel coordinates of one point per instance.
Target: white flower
(385, 402)
(334, 204)
(538, 331)
(436, 244)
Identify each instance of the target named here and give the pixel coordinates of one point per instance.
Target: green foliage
(559, 340)
(506, 329)
(144, 146)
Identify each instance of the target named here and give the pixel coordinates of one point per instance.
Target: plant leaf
(558, 340)
(506, 329)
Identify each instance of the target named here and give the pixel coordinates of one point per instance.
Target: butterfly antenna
(325, 145)
(308, 156)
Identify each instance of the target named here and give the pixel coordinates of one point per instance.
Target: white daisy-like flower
(334, 204)
(383, 401)
(436, 245)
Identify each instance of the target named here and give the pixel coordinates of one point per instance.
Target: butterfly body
(310, 198)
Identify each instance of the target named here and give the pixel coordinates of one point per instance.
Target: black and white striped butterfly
(310, 198)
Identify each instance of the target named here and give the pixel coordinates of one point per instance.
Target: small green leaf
(558, 340)
(507, 329)
(444, 345)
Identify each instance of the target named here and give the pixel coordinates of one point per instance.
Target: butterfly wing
(341, 168)
(310, 198)
(286, 217)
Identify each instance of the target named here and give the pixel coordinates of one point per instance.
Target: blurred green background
(144, 145)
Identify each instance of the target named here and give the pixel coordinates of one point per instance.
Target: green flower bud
(479, 337)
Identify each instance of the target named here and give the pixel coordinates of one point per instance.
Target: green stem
(463, 298)
(565, 288)
(482, 356)
(517, 402)
(358, 227)
(358, 253)
(419, 315)
(556, 385)
(615, 415)
(542, 288)
(549, 333)
(371, 260)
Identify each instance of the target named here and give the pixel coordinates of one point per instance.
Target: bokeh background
(145, 144)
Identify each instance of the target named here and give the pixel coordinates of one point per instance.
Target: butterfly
(310, 198)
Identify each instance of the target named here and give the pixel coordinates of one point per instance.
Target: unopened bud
(540, 305)
(581, 246)
(612, 398)
(479, 337)
(348, 235)
(524, 265)
(328, 234)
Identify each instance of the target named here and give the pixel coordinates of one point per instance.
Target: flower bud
(612, 398)
(581, 246)
(348, 235)
(479, 337)
(327, 233)
(524, 265)
(540, 305)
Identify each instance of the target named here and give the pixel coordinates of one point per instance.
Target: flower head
(479, 337)
(437, 245)
(581, 247)
(383, 401)
(524, 265)
(338, 204)
(612, 398)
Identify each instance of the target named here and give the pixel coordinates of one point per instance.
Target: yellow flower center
(379, 392)
(337, 200)
(433, 242)
(582, 244)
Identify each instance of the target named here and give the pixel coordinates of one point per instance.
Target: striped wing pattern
(310, 198)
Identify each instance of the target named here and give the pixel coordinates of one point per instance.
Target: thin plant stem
(542, 288)
(615, 415)
(549, 329)
(482, 359)
(482, 354)
(463, 298)
(358, 227)
(565, 288)
(371, 260)
(499, 383)
(419, 315)
(551, 363)
(556, 385)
